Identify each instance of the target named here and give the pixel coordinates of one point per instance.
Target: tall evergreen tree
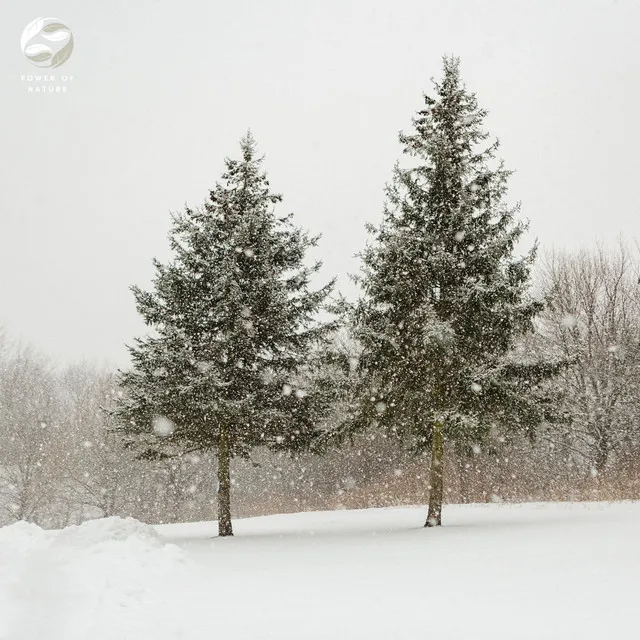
(229, 365)
(444, 295)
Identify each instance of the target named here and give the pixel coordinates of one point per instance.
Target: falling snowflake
(349, 483)
(162, 426)
(569, 321)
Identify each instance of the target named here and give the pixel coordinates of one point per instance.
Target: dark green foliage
(445, 297)
(235, 328)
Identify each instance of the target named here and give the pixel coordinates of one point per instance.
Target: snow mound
(115, 545)
(105, 530)
(22, 538)
(88, 581)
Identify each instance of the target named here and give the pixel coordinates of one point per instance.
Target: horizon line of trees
(446, 365)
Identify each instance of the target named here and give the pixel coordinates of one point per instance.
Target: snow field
(538, 571)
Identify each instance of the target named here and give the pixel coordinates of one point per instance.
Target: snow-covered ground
(493, 571)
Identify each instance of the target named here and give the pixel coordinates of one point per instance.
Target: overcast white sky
(162, 91)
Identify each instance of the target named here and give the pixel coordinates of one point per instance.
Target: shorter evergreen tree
(230, 364)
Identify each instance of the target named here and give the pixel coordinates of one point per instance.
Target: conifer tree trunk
(224, 484)
(434, 517)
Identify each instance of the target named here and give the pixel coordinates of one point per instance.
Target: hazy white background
(162, 91)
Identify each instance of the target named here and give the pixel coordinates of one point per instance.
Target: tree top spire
(249, 146)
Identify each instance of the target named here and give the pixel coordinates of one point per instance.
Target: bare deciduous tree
(593, 318)
(28, 429)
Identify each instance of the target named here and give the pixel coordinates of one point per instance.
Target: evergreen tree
(444, 295)
(230, 364)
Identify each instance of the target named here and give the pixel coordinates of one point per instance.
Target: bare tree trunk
(600, 462)
(463, 477)
(434, 517)
(224, 485)
(602, 454)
